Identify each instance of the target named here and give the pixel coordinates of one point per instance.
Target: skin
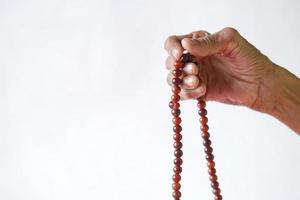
(231, 70)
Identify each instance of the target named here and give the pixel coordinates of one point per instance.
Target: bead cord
(177, 136)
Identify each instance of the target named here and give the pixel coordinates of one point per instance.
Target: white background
(84, 102)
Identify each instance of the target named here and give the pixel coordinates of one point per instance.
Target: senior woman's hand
(231, 70)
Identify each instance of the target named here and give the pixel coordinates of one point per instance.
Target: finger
(191, 69)
(193, 94)
(210, 44)
(173, 45)
(169, 79)
(190, 82)
(169, 62)
(199, 34)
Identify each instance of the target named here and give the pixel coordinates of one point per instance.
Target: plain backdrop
(84, 102)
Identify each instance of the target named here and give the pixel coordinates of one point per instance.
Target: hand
(229, 69)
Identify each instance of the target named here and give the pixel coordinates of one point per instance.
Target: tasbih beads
(208, 150)
(175, 106)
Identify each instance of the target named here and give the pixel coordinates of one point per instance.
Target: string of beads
(175, 106)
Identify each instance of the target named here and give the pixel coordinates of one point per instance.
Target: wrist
(266, 97)
(281, 96)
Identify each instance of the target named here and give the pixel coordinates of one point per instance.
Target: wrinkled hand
(229, 69)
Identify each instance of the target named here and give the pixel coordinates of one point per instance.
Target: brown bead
(202, 112)
(176, 81)
(171, 104)
(218, 197)
(216, 191)
(177, 128)
(176, 89)
(204, 128)
(176, 120)
(177, 137)
(213, 178)
(215, 185)
(176, 178)
(176, 105)
(211, 164)
(177, 169)
(205, 135)
(176, 186)
(176, 194)
(177, 72)
(206, 142)
(185, 58)
(178, 153)
(175, 112)
(175, 97)
(178, 64)
(177, 145)
(201, 104)
(209, 157)
(208, 150)
(212, 171)
(178, 161)
(203, 120)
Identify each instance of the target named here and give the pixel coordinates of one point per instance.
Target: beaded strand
(175, 106)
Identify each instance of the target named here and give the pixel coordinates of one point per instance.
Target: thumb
(212, 44)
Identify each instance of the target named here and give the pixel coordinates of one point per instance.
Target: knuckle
(231, 31)
(167, 62)
(230, 34)
(169, 40)
(169, 78)
(199, 34)
(208, 41)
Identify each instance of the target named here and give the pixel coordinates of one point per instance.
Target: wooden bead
(177, 137)
(176, 89)
(212, 171)
(178, 153)
(176, 105)
(215, 185)
(176, 81)
(177, 72)
(186, 57)
(218, 197)
(208, 150)
(175, 97)
(202, 112)
(176, 178)
(216, 191)
(177, 169)
(175, 112)
(176, 186)
(178, 64)
(203, 120)
(201, 104)
(213, 178)
(204, 128)
(209, 157)
(205, 135)
(177, 128)
(210, 164)
(207, 142)
(177, 145)
(176, 120)
(171, 104)
(178, 161)
(176, 194)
